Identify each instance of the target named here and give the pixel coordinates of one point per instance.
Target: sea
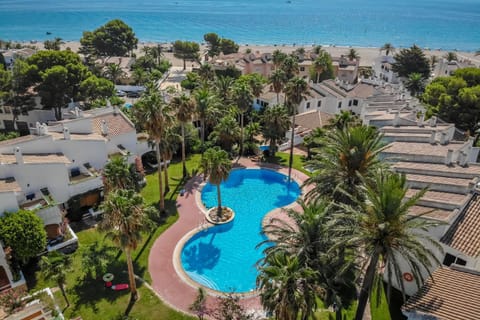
(434, 24)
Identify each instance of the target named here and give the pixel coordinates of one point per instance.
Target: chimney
(66, 133)
(37, 127)
(443, 138)
(104, 128)
(432, 137)
(77, 112)
(449, 157)
(421, 120)
(433, 121)
(396, 120)
(18, 155)
(463, 159)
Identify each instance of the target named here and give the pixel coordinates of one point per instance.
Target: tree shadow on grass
(89, 291)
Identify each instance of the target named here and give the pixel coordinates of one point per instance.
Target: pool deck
(167, 283)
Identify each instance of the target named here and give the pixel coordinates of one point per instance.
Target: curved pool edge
(165, 281)
(177, 261)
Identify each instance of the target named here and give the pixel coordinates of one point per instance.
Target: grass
(282, 158)
(88, 296)
(379, 306)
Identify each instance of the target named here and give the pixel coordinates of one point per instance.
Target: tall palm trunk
(202, 132)
(219, 199)
(62, 289)
(165, 172)
(241, 134)
(160, 182)
(292, 136)
(278, 97)
(367, 285)
(184, 165)
(131, 275)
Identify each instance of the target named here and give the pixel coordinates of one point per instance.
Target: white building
(382, 69)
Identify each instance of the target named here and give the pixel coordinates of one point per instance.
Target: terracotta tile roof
(438, 180)
(9, 185)
(452, 294)
(77, 136)
(432, 213)
(313, 119)
(35, 158)
(422, 148)
(464, 234)
(470, 170)
(441, 197)
(117, 124)
(11, 142)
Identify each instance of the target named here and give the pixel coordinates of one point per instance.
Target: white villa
(58, 167)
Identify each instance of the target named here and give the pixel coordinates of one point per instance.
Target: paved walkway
(165, 280)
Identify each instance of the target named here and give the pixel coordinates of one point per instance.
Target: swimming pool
(223, 257)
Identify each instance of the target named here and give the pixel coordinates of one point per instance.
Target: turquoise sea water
(447, 24)
(223, 257)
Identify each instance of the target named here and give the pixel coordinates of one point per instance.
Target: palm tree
(184, 107)
(382, 231)
(168, 147)
(277, 58)
(114, 72)
(387, 47)
(309, 239)
(243, 98)
(344, 119)
(216, 165)
(353, 54)
(140, 76)
(117, 175)
(321, 64)
(205, 99)
(287, 287)
(348, 155)
(223, 87)
(313, 140)
(450, 56)
(415, 84)
(252, 130)
(275, 123)
(278, 80)
(256, 81)
(156, 116)
(56, 266)
(206, 72)
(290, 66)
(123, 221)
(226, 133)
(296, 91)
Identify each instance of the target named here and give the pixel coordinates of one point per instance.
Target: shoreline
(367, 54)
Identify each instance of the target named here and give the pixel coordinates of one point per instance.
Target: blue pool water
(223, 257)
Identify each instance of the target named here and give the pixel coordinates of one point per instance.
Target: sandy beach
(367, 55)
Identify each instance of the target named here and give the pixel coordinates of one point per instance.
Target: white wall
(82, 151)
(8, 202)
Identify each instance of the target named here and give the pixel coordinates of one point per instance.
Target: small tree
(186, 50)
(12, 299)
(229, 308)
(55, 266)
(23, 231)
(199, 306)
(411, 60)
(95, 259)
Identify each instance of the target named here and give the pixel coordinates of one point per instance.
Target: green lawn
(282, 158)
(88, 296)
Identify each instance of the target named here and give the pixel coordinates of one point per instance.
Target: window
(350, 103)
(355, 102)
(339, 104)
(258, 101)
(308, 105)
(451, 259)
(319, 103)
(302, 68)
